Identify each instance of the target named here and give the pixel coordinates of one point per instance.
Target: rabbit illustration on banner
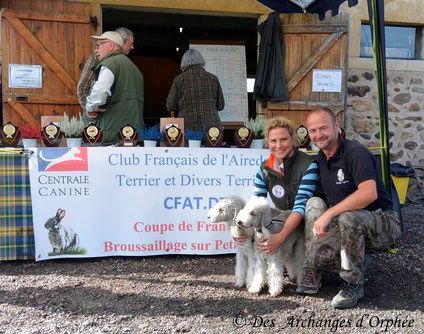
(61, 237)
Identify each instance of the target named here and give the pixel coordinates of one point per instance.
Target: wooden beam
(313, 60)
(27, 15)
(311, 29)
(42, 52)
(40, 99)
(23, 112)
(301, 105)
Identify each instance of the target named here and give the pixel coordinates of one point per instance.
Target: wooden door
(54, 34)
(311, 44)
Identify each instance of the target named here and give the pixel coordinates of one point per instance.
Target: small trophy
(243, 137)
(303, 137)
(52, 136)
(214, 137)
(128, 136)
(173, 136)
(92, 135)
(10, 135)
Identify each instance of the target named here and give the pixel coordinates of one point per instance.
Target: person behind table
(288, 175)
(196, 94)
(357, 209)
(118, 88)
(86, 79)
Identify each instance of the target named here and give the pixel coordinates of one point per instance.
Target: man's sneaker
(310, 284)
(348, 296)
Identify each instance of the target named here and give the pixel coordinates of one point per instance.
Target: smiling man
(357, 210)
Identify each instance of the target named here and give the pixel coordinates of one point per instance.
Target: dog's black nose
(239, 223)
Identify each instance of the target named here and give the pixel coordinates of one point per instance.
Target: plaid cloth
(86, 80)
(197, 97)
(16, 229)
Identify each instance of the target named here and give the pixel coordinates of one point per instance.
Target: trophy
(52, 136)
(10, 135)
(214, 137)
(243, 137)
(92, 135)
(303, 137)
(173, 136)
(128, 136)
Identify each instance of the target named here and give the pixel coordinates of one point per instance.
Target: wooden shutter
(310, 44)
(53, 34)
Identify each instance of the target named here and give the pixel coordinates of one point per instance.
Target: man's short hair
(190, 58)
(124, 33)
(327, 111)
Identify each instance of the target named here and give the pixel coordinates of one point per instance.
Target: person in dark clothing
(196, 94)
(357, 213)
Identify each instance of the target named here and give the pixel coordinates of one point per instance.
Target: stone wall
(405, 92)
(404, 87)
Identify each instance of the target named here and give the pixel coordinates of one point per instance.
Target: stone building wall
(405, 87)
(405, 97)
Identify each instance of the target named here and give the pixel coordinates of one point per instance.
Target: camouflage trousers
(343, 248)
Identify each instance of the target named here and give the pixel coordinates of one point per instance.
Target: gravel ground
(193, 294)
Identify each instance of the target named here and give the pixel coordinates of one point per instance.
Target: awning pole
(376, 15)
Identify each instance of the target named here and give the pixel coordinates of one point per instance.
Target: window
(401, 42)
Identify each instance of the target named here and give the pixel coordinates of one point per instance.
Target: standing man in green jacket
(118, 88)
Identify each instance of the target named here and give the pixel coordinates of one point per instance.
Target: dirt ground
(195, 294)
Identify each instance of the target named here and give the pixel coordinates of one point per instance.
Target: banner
(107, 201)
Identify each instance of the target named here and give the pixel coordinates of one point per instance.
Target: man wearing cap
(87, 75)
(118, 88)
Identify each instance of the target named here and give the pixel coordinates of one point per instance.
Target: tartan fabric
(197, 96)
(86, 80)
(16, 229)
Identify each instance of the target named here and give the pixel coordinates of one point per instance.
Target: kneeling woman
(288, 175)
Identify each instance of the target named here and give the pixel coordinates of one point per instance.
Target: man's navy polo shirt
(342, 173)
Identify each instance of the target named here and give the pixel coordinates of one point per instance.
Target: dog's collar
(272, 222)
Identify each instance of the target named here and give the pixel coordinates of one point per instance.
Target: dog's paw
(239, 285)
(256, 289)
(275, 292)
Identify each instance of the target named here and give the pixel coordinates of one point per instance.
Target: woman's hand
(270, 245)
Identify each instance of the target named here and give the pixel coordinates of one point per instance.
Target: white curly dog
(226, 211)
(269, 268)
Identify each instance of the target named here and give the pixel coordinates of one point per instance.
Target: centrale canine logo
(66, 159)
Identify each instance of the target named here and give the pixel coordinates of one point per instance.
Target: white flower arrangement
(72, 127)
(257, 125)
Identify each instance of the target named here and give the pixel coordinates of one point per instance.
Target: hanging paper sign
(25, 76)
(327, 81)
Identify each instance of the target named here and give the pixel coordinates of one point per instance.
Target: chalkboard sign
(228, 63)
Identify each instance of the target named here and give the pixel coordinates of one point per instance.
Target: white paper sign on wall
(25, 76)
(327, 80)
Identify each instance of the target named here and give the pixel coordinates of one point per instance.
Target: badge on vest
(278, 191)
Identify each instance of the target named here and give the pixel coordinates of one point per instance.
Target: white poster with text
(107, 201)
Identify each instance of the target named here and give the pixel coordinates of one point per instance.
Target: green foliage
(72, 127)
(257, 125)
(71, 251)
